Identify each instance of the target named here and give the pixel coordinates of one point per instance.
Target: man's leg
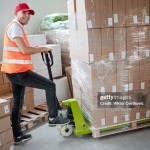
(31, 79)
(18, 98)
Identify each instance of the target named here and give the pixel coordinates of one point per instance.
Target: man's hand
(46, 50)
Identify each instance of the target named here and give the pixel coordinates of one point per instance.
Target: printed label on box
(146, 19)
(147, 114)
(135, 19)
(138, 115)
(136, 54)
(126, 117)
(115, 119)
(142, 85)
(24, 107)
(91, 58)
(89, 24)
(111, 56)
(126, 87)
(116, 18)
(130, 86)
(114, 89)
(102, 89)
(6, 109)
(147, 53)
(12, 147)
(123, 55)
(103, 122)
(110, 22)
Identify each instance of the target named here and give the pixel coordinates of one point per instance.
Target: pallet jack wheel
(59, 127)
(66, 130)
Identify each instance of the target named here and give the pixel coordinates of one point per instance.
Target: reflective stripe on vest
(16, 61)
(10, 48)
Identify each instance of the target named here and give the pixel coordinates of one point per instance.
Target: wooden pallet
(42, 106)
(28, 119)
(119, 128)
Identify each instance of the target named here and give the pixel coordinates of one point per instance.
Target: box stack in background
(6, 93)
(62, 89)
(109, 50)
(59, 36)
(6, 135)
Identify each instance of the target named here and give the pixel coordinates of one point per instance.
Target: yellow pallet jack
(77, 123)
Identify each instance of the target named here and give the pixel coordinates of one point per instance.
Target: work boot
(58, 121)
(20, 139)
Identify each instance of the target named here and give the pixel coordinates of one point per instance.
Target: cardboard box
(111, 116)
(119, 13)
(5, 88)
(28, 102)
(107, 43)
(9, 98)
(139, 113)
(96, 118)
(4, 108)
(132, 35)
(66, 61)
(5, 124)
(62, 88)
(1, 79)
(88, 45)
(94, 14)
(0, 67)
(144, 33)
(106, 19)
(125, 115)
(6, 137)
(28, 89)
(5, 79)
(120, 43)
(132, 12)
(143, 13)
(37, 39)
(119, 5)
(144, 84)
(106, 5)
(71, 6)
(88, 14)
(8, 146)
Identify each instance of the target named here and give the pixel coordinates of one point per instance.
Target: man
(18, 67)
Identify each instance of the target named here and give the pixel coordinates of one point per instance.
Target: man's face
(23, 17)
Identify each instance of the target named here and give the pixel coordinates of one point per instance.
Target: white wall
(41, 7)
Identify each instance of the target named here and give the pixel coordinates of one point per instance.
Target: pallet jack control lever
(48, 60)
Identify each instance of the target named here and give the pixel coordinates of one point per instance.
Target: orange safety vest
(14, 61)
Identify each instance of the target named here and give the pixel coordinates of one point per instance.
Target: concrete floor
(48, 138)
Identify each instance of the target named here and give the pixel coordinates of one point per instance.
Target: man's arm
(25, 49)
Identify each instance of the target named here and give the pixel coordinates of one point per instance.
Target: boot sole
(22, 141)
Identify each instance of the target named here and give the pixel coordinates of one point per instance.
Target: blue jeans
(30, 79)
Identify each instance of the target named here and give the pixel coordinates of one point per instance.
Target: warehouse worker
(19, 70)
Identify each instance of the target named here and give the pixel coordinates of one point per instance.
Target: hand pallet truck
(77, 122)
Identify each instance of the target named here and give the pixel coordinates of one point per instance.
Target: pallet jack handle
(48, 60)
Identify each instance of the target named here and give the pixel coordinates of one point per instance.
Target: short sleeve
(14, 31)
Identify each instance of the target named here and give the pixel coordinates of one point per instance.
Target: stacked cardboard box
(41, 69)
(110, 50)
(60, 37)
(6, 135)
